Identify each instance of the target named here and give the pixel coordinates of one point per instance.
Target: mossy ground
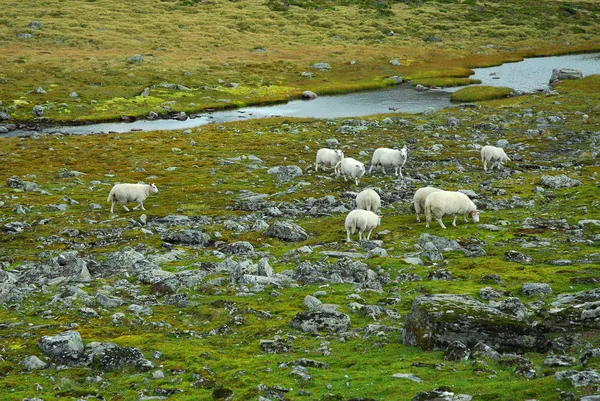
(84, 47)
(362, 365)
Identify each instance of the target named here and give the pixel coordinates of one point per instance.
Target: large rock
(287, 231)
(308, 95)
(559, 74)
(574, 311)
(316, 321)
(285, 173)
(558, 181)
(110, 357)
(435, 321)
(65, 348)
(186, 237)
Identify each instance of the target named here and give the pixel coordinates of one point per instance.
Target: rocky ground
(236, 282)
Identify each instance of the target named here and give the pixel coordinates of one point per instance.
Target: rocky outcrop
(435, 321)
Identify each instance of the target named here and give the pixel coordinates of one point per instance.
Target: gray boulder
(110, 357)
(318, 321)
(38, 110)
(559, 74)
(4, 115)
(530, 289)
(285, 173)
(321, 66)
(518, 257)
(435, 321)
(286, 231)
(238, 248)
(33, 362)
(135, 59)
(573, 311)
(579, 379)
(558, 181)
(309, 95)
(186, 237)
(65, 348)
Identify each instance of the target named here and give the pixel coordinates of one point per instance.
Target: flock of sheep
(432, 201)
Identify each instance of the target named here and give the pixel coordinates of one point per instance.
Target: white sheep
(368, 200)
(124, 193)
(419, 199)
(328, 158)
(389, 157)
(350, 167)
(493, 154)
(448, 203)
(362, 221)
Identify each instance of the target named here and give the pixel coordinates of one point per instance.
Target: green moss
(480, 93)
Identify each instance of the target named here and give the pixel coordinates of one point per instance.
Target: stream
(529, 75)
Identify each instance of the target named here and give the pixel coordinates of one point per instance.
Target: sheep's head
(153, 188)
(474, 215)
(404, 152)
(339, 153)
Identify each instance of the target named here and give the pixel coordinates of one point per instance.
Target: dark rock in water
(286, 231)
(309, 95)
(186, 237)
(456, 351)
(316, 321)
(435, 321)
(518, 257)
(559, 74)
(558, 181)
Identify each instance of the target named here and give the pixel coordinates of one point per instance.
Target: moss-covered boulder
(435, 321)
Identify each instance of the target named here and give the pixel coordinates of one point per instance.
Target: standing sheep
(493, 154)
(328, 158)
(419, 199)
(368, 200)
(389, 157)
(124, 193)
(362, 221)
(352, 168)
(448, 203)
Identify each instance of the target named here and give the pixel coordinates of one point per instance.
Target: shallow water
(528, 75)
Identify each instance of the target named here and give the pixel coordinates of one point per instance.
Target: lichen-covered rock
(558, 181)
(285, 173)
(186, 237)
(435, 321)
(65, 348)
(110, 357)
(518, 257)
(576, 310)
(456, 351)
(287, 231)
(316, 321)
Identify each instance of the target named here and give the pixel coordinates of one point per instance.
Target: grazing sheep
(389, 157)
(448, 203)
(362, 221)
(493, 154)
(328, 158)
(350, 167)
(419, 199)
(368, 200)
(124, 193)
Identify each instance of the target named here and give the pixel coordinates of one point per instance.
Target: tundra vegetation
(205, 337)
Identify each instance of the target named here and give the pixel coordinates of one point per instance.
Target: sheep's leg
(371, 169)
(441, 223)
(418, 218)
(138, 205)
(112, 206)
(124, 206)
(348, 235)
(345, 178)
(465, 217)
(357, 181)
(454, 221)
(369, 234)
(484, 165)
(316, 166)
(383, 169)
(400, 172)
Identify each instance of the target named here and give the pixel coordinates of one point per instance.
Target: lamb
(447, 203)
(362, 221)
(350, 167)
(493, 154)
(124, 193)
(368, 200)
(389, 157)
(328, 157)
(419, 199)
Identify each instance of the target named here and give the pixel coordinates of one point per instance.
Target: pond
(528, 75)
